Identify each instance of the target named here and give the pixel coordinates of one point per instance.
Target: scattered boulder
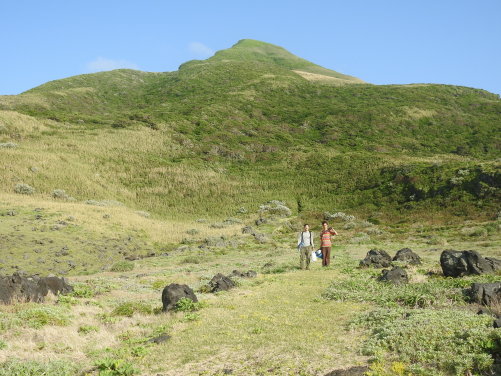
(485, 293)
(173, 293)
(261, 238)
(497, 323)
(161, 338)
(248, 230)
(459, 264)
(353, 371)
(406, 255)
(376, 259)
(261, 221)
(249, 274)
(397, 276)
(219, 283)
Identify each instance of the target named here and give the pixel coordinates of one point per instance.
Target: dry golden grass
(326, 79)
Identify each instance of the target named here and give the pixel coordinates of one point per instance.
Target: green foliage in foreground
(431, 341)
(17, 367)
(188, 305)
(115, 367)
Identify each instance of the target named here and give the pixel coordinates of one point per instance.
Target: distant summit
(254, 50)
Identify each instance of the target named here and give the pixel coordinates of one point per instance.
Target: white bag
(313, 256)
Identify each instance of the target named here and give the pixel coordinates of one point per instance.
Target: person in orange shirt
(325, 243)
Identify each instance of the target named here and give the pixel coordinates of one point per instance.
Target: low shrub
(9, 145)
(143, 214)
(24, 189)
(38, 317)
(193, 231)
(3, 344)
(86, 329)
(122, 266)
(130, 308)
(115, 367)
(188, 305)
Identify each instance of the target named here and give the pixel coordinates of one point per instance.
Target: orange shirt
(325, 238)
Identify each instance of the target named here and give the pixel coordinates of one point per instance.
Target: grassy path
(277, 326)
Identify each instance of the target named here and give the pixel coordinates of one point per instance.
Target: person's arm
(299, 240)
(333, 232)
(311, 238)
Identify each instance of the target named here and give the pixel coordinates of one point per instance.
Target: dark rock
(12, 213)
(58, 285)
(151, 254)
(141, 275)
(261, 221)
(236, 273)
(397, 276)
(487, 311)
(497, 323)
(161, 338)
(248, 230)
(40, 260)
(459, 264)
(353, 371)
(376, 259)
(268, 265)
(485, 293)
(251, 274)
(495, 263)
(173, 293)
(406, 255)
(227, 371)
(164, 254)
(219, 283)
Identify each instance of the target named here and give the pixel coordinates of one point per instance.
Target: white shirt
(307, 238)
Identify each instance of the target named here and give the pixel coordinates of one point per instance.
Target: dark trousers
(326, 256)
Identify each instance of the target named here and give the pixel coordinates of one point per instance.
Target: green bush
(122, 266)
(130, 308)
(188, 305)
(86, 329)
(449, 340)
(40, 316)
(3, 344)
(115, 367)
(82, 290)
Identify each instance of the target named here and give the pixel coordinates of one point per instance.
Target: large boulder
(459, 264)
(219, 283)
(397, 276)
(175, 292)
(58, 285)
(376, 259)
(486, 293)
(406, 255)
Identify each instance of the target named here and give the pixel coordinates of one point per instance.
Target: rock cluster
(31, 289)
(462, 263)
(397, 276)
(220, 282)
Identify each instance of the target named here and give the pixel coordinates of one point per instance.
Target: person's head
(324, 223)
(307, 227)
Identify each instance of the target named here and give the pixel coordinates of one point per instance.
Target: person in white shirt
(305, 246)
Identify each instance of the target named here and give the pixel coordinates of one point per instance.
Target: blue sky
(382, 42)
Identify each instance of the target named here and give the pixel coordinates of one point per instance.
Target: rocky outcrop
(406, 255)
(376, 259)
(31, 289)
(462, 263)
(397, 276)
(175, 292)
(219, 282)
(249, 274)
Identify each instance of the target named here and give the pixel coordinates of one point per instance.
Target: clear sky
(382, 42)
